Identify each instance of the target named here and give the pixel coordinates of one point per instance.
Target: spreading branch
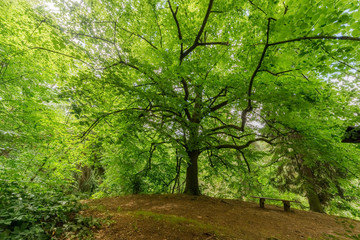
(99, 119)
(249, 105)
(198, 36)
(240, 147)
(229, 134)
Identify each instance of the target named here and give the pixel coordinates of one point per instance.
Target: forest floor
(182, 217)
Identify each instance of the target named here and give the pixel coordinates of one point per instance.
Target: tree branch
(138, 35)
(98, 120)
(186, 97)
(342, 62)
(62, 54)
(196, 42)
(278, 73)
(310, 81)
(245, 160)
(121, 62)
(249, 106)
(89, 36)
(229, 134)
(220, 105)
(178, 28)
(217, 96)
(257, 7)
(213, 43)
(315, 38)
(240, 147)
(226, 127)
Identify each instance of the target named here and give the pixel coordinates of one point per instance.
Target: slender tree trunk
(192, 182)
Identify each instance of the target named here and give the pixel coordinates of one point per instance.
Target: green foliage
(124, 97)
(30, 211)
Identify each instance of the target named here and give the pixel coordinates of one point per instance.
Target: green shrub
(33, 212)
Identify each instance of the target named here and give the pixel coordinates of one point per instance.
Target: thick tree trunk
(192, 182)
(311, 194)
(192, 149)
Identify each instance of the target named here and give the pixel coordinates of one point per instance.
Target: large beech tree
(209, 75)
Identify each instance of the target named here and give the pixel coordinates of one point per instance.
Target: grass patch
(173, 219)
(99, 207)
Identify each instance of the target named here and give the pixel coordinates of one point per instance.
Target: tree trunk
(192, 182)
(311, 194)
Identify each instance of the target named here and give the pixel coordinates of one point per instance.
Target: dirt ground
(181, 217)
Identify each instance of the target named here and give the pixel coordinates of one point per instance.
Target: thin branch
(37, 26)
(121, 62)
(278, 73)
(98, 120)
(229, 126)
(257, 7)
(178, 27)
(157, 23)
(216, 118)
(94, 37)
(63, 54)
(310, 81)
(315, 38)
(221, 159)
(271, 125)
(229, 134)
(342, 62)
(140, 36)
(245, 160)
(220, 94)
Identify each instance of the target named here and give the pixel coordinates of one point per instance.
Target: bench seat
(285, 202)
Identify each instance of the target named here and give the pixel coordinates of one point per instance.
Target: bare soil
(181, 217)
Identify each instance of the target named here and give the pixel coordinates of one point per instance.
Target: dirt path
(172, 217)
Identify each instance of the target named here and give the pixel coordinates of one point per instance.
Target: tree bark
(311, 194)
(192, 181)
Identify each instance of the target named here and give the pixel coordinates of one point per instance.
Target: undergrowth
(32, 212)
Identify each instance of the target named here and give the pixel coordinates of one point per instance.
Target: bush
(28, 211)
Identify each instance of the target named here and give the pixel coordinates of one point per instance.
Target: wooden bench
(285, 202)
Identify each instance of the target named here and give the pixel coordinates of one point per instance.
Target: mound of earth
(172, 217)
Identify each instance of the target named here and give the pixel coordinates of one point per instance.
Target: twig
(257, 7)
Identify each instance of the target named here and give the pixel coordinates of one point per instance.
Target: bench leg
(262, 202)
(286, 206)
